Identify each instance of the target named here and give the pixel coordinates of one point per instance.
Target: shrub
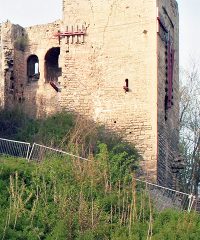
(54, 200)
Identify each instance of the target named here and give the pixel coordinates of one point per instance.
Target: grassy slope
(64, 199)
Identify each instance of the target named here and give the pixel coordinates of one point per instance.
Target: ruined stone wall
(9, 35)
(37, 97)
(1, 73)
(168, 115)
(120, 44)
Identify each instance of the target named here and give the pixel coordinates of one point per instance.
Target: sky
(28, 12)
(189, 18)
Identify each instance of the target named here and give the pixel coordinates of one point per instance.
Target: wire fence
(14, 148)
(162, 197)
(40, 153)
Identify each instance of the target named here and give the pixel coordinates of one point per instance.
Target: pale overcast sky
(189, 30)
(29, 12)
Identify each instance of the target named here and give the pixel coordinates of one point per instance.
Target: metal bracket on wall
(55, 85)
(71, 33)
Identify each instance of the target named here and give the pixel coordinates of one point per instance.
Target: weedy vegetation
(65, 197)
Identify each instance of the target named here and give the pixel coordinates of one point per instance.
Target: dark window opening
(52, 70)
(169, 59)
(12, 85)
(33, 68)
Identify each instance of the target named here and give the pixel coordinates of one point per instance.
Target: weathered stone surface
(122, 41)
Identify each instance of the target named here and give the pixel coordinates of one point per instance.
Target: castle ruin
(113, 61)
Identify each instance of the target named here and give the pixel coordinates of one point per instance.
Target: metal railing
(14, 148)
(162, 197)
(40, 152)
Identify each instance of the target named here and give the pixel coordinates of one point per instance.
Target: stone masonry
(113, 61)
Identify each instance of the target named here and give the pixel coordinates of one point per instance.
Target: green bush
(49, 131)
(11, 123)
(64, 199)
(52, 130)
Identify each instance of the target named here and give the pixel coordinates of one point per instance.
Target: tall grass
(68, 198)
(72, 199)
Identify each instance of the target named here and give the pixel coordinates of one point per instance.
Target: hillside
(60, 199)
(67, 198)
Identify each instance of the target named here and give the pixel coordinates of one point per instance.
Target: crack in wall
(114, 4)
(92, 8)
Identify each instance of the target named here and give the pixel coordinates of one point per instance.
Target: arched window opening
(33, 73)
(52, 70)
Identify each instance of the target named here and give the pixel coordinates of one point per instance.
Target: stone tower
(113, 61)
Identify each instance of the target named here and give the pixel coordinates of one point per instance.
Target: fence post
(191, 202)
(29, 157)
